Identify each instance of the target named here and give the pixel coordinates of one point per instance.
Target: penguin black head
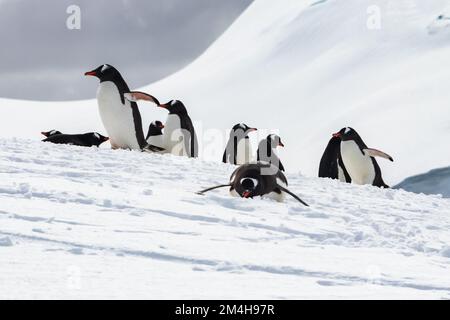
(174, 107)
(347, 134)
(105, 72)
(96, 138)
(155, 128)
(50, 133)
(243, 127)
(274, 140)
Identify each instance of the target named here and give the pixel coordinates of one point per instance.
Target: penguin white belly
(117, 118)
(359, 166)
(174, 136)
(244, 152)
(156, 141)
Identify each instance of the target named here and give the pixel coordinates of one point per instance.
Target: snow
(96, 223)
(436, 181)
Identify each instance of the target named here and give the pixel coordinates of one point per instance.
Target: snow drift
(434, 182)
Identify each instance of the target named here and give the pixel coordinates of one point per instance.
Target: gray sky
(41, 59)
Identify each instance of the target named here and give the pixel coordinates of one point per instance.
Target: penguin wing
(329, 163)
(212, 188)
(377, 153)
(293, 195)
(135, 96)
(191, 142)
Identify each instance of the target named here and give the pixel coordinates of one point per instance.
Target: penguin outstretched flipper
(293, 195)
(212, 188)
(135, 96)
(377, 153)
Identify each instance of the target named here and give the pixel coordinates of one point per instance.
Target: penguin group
(346, 157)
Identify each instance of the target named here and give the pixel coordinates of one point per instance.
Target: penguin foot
(152, 148)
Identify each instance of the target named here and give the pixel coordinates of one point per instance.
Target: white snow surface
(96, 223)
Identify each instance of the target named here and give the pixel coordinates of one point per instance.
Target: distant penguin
(266, 150)
(258, 179)
(331, 164)
(238, 149)
(50, 133)
(120, 116)
(359, 160)
(179, 134)
(83, 140)
(155, 134)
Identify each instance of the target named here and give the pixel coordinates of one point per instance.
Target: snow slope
(436, 181)
(96, 223)
(304, 68)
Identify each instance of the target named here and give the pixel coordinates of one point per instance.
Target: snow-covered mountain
(96, 223)
(304, 68)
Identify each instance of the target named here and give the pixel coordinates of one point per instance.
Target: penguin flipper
(212, 188)
(293, 195)
(135, 96)
(377, 153)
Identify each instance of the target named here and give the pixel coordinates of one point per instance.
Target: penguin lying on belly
(258, 179)
(83, 140)
(355, 159)
(120, 116)
(238, 150)
(50, 133)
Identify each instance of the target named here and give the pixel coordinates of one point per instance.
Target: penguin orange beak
(91, 73)
(105, 138)
(161, 126)
(246, 194)
(281, 144)
(337, 135)
(45, 134)
(163, 106)
(252, 129)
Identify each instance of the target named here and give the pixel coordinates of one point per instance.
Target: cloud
(147, 40)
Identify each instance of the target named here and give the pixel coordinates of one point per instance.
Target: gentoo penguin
(155, 134)
(331, 164)
(266, 150)
(83, 140)
(258, 179)
(238, 150)
(359, 160)
(50, 133)
(179, 136)
(119, 115)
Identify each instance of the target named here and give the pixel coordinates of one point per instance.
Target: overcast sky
(41, 59)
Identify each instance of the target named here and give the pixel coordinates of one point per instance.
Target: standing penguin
(155, 134)
(258, 179)
(50, 133)
(331, 164)
(179, 136)
(359, 160)
(238, 150)
(266, 150)
(120, 116)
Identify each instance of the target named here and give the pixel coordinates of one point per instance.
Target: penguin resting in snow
(120, 116)
(50, 133)
(331, 164)
(266, 150)
(358, 160)
(258, 179)
(83, 140)
(238, 150)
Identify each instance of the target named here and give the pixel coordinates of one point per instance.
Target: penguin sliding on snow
(50, 133)
(83, 140)
(120, 116)
(258, 179)
(155, 134)
(179, 137)
(331, 164)
(357, 159)
(266, 150)
(238, 150)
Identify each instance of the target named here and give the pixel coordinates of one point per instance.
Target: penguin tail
(293, 195)
(212, 188)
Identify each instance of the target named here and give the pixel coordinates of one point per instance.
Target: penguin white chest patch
(244, 151)
(358, 165)
(116, 117)
(174, 137)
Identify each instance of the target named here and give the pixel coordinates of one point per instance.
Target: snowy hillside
(96, 223)
(304, 68)
(434, 182)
